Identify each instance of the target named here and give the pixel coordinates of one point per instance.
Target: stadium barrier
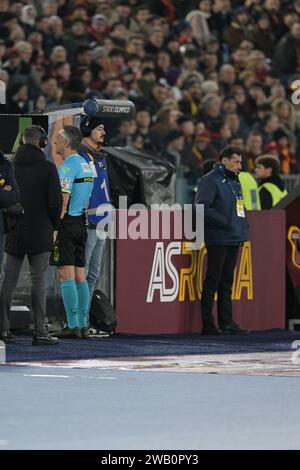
(157, 292)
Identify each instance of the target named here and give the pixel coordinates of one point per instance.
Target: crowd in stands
(202, 74)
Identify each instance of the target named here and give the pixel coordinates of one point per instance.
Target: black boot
(234, 329)
(43, 338)
(211, 329)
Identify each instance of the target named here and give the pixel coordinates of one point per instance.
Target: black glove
(15, 211)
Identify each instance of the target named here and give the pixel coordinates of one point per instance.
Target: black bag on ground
(102, 315)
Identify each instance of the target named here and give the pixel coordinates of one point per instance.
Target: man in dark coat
(32, 233)
(225, 229)
(9, 196)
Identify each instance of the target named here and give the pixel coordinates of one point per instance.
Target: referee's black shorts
(72, 236)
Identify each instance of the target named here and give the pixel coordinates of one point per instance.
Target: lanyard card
(93, 168)
(240, 208)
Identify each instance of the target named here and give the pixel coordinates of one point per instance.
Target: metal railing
(290, 181)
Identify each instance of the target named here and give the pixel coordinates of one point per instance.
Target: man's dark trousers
(38, 265)
(221, 262)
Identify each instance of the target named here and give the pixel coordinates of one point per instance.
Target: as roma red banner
(159, 282)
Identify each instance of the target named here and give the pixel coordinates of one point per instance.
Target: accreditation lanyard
(92, 164)
(239, 202)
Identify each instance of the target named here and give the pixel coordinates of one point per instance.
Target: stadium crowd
(202, 74)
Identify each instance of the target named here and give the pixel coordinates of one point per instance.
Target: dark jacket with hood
(7, 198)
(41, 198)
(218, 191)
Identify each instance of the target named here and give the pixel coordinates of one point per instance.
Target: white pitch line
(100, 378)
(47, 375)
(68, 376)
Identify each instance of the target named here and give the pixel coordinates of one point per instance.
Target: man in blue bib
(100, 203)
(76, 179)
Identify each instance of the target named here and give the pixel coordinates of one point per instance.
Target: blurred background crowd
(202, 74)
